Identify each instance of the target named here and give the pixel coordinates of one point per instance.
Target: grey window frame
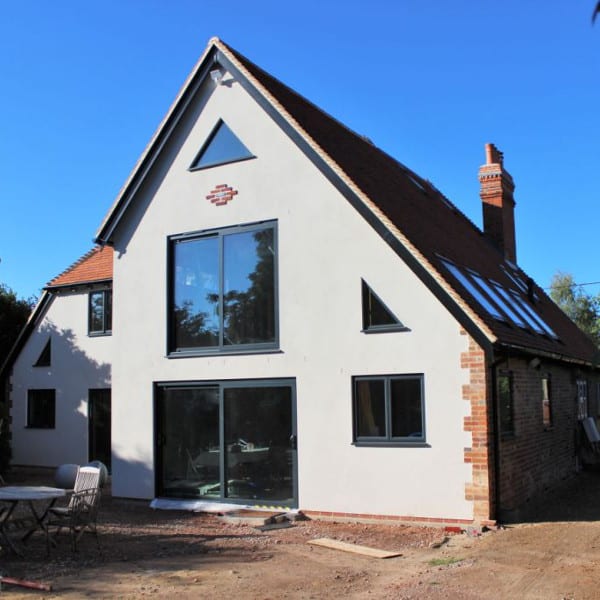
(211, 136)
(37, 394)
(368, 328)
(222, 385)
(106, 325)
(388, 439)
(221, 348)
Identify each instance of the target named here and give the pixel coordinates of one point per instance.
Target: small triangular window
(376, 315)
(221, 147)
(45, 357)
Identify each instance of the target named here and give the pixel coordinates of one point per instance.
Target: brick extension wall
(536, 458)
(479, 455)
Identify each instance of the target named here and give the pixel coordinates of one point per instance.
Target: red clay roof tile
(428, 220)
(95, 265)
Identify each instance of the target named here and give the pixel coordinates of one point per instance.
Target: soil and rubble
(145, 552)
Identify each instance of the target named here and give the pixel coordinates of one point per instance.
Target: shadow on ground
(576, 499)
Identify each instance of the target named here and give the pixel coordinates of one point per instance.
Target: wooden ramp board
(344, 546)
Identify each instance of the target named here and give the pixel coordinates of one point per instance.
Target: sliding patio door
(233, 441)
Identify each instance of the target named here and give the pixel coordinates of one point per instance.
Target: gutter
(552, 355)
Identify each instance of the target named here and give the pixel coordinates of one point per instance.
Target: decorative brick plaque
(221, 195)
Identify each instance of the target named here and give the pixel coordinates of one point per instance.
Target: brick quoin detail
(479, 491)
(221, 195)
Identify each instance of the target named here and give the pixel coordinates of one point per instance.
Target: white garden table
(32, 495)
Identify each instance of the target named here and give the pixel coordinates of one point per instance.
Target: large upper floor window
(223, 290)
(389, 409)
(100, 312)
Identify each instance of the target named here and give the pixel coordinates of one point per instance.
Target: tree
(582, 308)
(13, 316)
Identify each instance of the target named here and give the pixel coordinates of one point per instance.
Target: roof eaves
(78, 284)
(550, 355)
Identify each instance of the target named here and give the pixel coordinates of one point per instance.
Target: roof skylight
(473, 290)
(495, 296)
(501, 303)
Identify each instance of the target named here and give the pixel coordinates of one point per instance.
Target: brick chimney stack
(496, 193)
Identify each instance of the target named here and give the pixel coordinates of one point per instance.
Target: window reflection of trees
(248, 314)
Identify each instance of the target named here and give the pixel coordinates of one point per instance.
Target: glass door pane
(259, 447)
(99, 426)
(189, 443)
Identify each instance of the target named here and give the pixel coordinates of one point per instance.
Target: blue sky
(85, 84)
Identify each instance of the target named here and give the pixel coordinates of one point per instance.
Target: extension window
(389, 409)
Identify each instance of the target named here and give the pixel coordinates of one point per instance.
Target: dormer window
(100, 312)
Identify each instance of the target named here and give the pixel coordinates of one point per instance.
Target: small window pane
(474, 291)
(45, 357)
(375, 313)
(370, 408)
(249, 287)
(505, 403)
(546, 402)
(407, 417)
(223, 146)
(491, 292)
(196, 293)
(100, 312)
(96, 312)
(41, 409)
(582, 399)
(108, 310)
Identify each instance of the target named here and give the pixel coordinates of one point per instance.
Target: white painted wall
(79, 363)
(325, 248)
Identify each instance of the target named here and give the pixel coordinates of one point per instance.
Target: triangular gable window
(221, 147)
(376, 315)
(45, 357)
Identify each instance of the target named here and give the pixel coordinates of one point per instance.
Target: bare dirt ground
(166, 554)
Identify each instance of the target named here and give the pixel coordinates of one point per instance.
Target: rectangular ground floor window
(389, 409)
(41, 409)
(231, 441)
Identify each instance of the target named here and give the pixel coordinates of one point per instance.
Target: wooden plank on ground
(356, 549)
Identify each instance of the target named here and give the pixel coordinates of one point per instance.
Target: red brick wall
(481, 488)
(536, 458)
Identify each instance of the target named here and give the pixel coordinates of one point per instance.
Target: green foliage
(444, 562)
(582, 308)
(13, 316)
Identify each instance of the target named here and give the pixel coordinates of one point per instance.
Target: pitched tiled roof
(430, 222)
(401, 205)
(96, 265)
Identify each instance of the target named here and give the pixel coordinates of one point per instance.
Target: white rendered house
(61, 369)
(300, 320)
